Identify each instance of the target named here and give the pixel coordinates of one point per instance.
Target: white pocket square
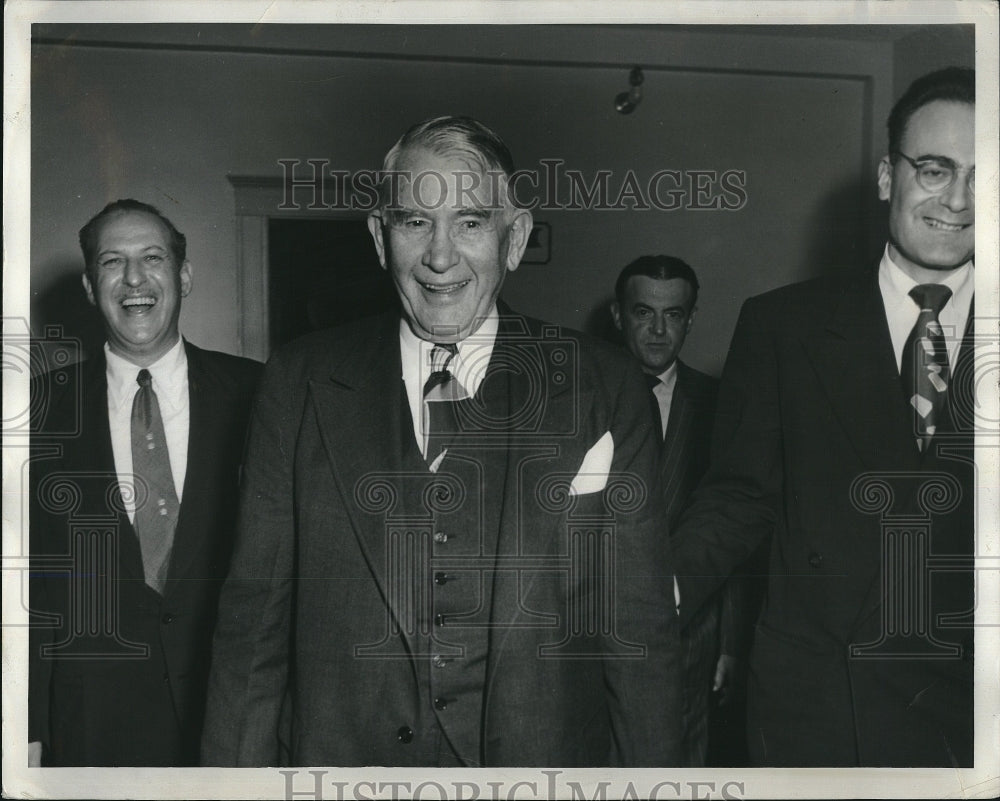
(593, 473)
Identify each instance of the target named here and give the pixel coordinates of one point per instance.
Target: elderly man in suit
(845, 422)
(654, 308)
(448, 551)
(135, 486)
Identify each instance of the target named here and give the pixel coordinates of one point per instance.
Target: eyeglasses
(938, 174)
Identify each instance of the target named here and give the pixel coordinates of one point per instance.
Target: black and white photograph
(501, 400)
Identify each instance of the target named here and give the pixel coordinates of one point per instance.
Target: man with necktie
(845, 423)
(448, 554)
(133, 505)
(654, 308)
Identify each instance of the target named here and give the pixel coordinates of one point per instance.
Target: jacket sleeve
(734, 507)
(644, 691)
(250, 654)
(735, 617)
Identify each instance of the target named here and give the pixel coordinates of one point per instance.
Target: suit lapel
(207, 403)
(678, 416)
(674, 456)
(537, 391)
(367, 434)
(854, 360)
(93, 451)
(877, 594)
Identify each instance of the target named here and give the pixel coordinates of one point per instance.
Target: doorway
(322, 273)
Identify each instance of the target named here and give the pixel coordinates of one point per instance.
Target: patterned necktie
(924, 366)
(156, 513)
(440, 394)
(653, 382)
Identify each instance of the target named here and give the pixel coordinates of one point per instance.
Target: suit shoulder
(59, 394)
(697, 382)
(327, 349)
(225, 366)
(591, 349)
(808, 301)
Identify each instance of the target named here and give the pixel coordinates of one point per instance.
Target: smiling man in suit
(448, 551)
(135, 482)
(845, 422)
(654, 308)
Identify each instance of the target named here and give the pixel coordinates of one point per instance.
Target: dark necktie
(440, 394)
(156, 512)
(653, 382)
(924, 366)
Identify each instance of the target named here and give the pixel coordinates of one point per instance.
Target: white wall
(166, 123)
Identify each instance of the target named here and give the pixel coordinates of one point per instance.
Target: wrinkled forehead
(454, 179)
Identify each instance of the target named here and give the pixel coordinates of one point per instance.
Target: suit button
(440, 536)
(438, 620)
(167, 619)
(404, 734)
(815, 559)
(166, 678)
(438, 661)
(440, 704)
(440, 578)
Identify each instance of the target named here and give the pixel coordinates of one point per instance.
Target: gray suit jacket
(315, 631)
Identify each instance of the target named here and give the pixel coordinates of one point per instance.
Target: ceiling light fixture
(625, 102)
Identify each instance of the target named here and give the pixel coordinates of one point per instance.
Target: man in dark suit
(655, 304)
(133, 505)
(447, 553)
(845, 421)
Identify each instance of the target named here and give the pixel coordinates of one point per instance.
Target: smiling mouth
(444, 289)
(139, 304)
(940, 225)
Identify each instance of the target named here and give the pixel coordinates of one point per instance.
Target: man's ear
(517, 237)
(616, 314)
(375, 229)
(88, 288)
(690, 320)
(185, 276)
(884, 179)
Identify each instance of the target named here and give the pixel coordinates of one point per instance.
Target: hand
(34, 754)
(727, 681)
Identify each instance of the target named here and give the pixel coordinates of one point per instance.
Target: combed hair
(90, 231)
(662, 268)
(956, 84)
(454, 136)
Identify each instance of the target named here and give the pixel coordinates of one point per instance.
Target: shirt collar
(961, 282)
(470, 363)
(669, 376)
(169, 374)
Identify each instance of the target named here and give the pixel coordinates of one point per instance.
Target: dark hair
(957, 84)
(659, 267)
(89, 232)
(445, 136)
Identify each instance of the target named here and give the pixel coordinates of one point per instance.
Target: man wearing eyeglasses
(844, 423)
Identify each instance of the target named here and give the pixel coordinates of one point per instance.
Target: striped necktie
(440, 394)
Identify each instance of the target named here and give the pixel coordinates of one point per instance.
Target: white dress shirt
(664, 392)
(901, 311)
(170, 383)
(468, 367)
